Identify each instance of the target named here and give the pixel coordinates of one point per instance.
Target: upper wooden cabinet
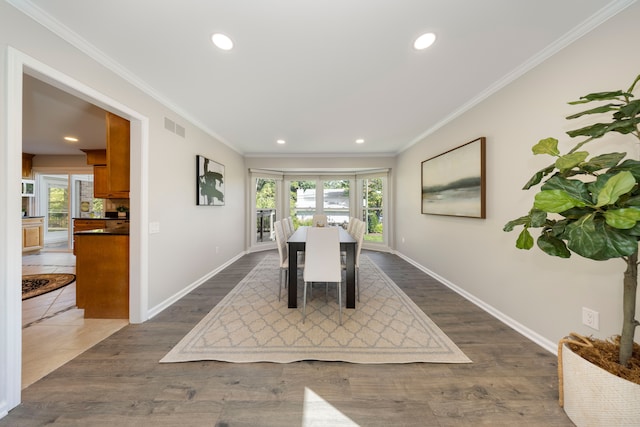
(96, 157)
(27, 164)
(118, 153)
(111, 166)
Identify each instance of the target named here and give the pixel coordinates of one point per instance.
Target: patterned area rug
(251, 325)
(38, 284)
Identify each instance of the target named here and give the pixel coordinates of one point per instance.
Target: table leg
(351, 276)
(293, 276)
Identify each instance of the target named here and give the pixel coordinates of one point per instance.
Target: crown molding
(577, 32)
(73, 38)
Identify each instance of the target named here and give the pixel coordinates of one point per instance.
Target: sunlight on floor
(318, 412)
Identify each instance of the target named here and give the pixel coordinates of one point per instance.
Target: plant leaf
(603, 161)
(601, 109)
(523, 220)
(625, 218)
(601, 96)
(594, 240)
(535, 179)
(573, 187)
(594, 131)
(630, 165)
(546, 146)
(537, 217)
(569, 161)
(555, 201)
(633, 201)
(524, 241)
(632, 109)
(619, 184)
(553, 246)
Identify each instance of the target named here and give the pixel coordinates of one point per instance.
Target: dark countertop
(115, 231)
(29, 217)
(103, 219)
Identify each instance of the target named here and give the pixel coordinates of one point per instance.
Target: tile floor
(54, 331)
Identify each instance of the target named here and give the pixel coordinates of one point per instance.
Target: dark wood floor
(119, 382)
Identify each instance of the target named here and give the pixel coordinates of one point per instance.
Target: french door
(62, 197)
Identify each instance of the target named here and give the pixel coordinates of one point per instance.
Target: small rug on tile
(250, 324)
(38, 284)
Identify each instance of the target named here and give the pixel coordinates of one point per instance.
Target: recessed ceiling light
(424, 41)
(222, 41)
(71, 139)
(360, 141)
(281, 141)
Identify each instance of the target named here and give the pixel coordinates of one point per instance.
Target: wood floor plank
(512, 381)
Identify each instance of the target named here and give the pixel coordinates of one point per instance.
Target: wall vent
(173, 127)
(169, 125)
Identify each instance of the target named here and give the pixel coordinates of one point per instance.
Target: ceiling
(318, 74)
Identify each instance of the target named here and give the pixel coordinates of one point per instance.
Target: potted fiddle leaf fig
(590, 205)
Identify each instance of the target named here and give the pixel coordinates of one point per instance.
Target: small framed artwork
(209, 182)
(453, 183)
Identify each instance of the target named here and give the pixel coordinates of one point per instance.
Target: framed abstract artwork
(453, 183)
(209, 182)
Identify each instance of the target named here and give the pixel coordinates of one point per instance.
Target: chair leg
(280, 285)
(358, 282)
(340, 302)
(304, 302)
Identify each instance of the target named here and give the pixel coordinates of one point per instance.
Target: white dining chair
(290, 222)
(286, 226)
(319, 220)
(322, 262)
(283, 253)
(352, 223)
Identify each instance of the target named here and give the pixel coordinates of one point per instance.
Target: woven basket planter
(593, 396)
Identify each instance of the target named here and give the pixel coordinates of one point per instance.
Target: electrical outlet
(591, 318)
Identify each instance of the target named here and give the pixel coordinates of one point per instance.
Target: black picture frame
(454, 182)
(209, 182)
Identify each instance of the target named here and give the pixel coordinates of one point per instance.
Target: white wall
(180, 255)
(542, 293)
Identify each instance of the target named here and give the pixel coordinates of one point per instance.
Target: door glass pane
(372, 209)
(335, 198)
(302, 202)
(56, 234)
(265, 208)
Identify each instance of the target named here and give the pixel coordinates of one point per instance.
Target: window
(302, 202)
(265, 208)
(335, 198)
(372, 197)
(300, 195)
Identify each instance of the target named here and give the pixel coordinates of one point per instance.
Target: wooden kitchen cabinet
(96, 157)
(27, 164)
(118, 154)
(102, 275)
(84, 225)
(111, 167)
(102, 185)
(32, 234)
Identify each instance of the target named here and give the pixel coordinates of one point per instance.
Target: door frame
(10, 222)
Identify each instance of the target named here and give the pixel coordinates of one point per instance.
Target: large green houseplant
(590, 205)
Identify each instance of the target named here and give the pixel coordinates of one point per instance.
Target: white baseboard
(171, 300)
(548, 345)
